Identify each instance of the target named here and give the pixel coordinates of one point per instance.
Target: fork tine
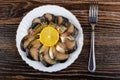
(93, 13)
(96, 9)
(90, 11)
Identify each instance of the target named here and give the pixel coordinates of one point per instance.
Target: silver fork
(93, 18)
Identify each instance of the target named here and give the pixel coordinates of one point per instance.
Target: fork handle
(92, 63)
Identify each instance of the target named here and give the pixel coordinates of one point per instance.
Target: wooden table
(107, 41)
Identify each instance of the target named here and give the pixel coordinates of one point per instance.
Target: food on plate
(50, 39)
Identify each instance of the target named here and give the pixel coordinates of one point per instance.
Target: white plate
(25, 24)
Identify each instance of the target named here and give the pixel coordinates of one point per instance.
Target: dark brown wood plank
(107, 41)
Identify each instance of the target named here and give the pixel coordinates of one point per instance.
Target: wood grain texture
(107, 41)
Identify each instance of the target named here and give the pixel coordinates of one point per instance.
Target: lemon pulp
(49, 36)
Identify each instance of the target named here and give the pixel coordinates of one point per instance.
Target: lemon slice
(49, 36)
